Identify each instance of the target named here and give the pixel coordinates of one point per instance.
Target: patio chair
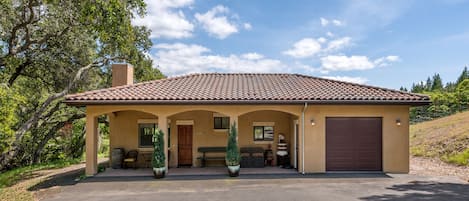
(131, 158)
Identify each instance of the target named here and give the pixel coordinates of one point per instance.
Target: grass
(445, 138)
(11, 177)
(9, 191)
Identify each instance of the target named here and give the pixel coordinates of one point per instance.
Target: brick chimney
(122, 74)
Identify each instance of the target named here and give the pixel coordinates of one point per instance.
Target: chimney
(122, 74)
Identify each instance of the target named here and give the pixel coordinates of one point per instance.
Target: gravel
(436, 167)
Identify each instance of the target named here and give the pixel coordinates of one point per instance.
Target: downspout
(303, 139)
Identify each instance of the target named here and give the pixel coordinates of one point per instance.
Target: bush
(158, 159)
(232, 151)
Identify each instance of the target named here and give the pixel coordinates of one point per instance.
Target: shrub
(158, 159)
(232, 151)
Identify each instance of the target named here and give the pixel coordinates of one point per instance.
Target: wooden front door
(185, 145)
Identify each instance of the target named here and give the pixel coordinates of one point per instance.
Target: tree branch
(6, 158)
(19, 70)
(25, 22)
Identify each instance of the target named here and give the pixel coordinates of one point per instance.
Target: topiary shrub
(232, 151)
(158, 159)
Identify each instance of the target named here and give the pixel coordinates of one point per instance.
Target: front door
(185, 145)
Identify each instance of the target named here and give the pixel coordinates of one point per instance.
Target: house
(327, 125)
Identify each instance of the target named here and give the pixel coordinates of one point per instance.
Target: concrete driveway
(322, 187)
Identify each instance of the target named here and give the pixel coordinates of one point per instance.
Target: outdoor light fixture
(398, 122)
(312, 122)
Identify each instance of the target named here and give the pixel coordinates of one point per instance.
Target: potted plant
(158, 159)
(232, 152)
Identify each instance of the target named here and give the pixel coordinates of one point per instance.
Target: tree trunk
(7, 157)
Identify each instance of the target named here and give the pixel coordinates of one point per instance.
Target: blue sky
(382, 43)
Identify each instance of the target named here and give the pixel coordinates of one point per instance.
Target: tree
(462, 92)
(428, 84)
(49, 49)
(464, 75)
(437, 83)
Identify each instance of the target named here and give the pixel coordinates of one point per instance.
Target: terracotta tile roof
(244, 88)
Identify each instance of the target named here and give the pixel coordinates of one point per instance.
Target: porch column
(91, 145)
(163, 125)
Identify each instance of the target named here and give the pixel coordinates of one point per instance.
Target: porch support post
(163, 125)
(91, 145)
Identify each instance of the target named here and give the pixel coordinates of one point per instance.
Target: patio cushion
(129, 160)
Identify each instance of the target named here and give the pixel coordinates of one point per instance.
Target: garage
(353, 144)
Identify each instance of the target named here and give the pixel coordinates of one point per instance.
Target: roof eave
(246, 102)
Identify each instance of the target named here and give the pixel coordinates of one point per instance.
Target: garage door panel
(353, 143)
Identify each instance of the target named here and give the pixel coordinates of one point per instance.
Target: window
(263, 133)
(221, 122)
(145, 134)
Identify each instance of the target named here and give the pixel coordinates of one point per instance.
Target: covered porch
(190, 129)
(206, 171)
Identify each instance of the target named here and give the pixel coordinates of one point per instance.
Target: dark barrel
(117, 156)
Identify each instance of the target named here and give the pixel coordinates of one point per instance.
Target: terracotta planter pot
(233, 171)
(159, 173)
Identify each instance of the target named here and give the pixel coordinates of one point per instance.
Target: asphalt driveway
(322, 187)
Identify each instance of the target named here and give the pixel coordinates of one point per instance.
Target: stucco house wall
(395, 138)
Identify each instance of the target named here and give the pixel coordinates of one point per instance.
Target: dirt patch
(435, 167)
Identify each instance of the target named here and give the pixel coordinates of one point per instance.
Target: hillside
(445, 138)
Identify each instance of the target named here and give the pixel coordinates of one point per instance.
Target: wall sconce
(398, 122)
(312, 122)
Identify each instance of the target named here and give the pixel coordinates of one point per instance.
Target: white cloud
(338, 44)
(385, 61)
(348, 63)
(306, 47)
(166, 19)
(252, 56)
(392, 58)
(345, 63)
(358, 80)
(322, 40)
(179, 58)
(330, 34)
(216, 23)
(247, 26)
(324, 22)
(337, 23)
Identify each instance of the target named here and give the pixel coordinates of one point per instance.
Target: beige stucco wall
(395, 138)
(205, 136)
(123, 129)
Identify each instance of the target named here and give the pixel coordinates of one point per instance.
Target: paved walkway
(288, 187)
(212, 171)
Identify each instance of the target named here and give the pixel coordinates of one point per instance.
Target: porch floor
(143, 172)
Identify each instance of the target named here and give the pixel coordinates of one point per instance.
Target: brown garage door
(353, 144)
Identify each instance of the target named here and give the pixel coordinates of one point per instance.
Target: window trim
(263, 134)
(139, 135)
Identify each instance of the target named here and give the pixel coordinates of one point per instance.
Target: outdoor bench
(207, 150)
(252, 157)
